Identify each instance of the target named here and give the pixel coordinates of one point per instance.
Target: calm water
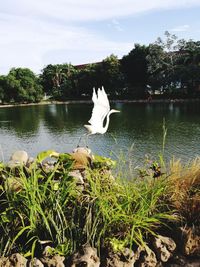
(58, 127)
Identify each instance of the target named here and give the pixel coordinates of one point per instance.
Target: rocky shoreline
(172, 246)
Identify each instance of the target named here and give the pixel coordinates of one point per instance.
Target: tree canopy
(20, 85)
(170, 66)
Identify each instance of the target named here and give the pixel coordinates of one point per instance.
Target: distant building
(84, 66)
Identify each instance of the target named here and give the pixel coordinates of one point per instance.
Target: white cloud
(79, 10)
(116, 25)
(25, 43)
(35, 33)
(181, 28)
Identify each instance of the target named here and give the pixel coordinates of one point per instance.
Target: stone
(86, 257)
(12, 164)
(15, 260)
(125, 258)
(48, 166)
(76, 174)
(164, 247)
(148, 259)
(35, 263)
(55, 260)
(50, 259)
(2, 261)
(19, 157)
(85, 150)
(190, 241)
(181, 261)
(82, 158)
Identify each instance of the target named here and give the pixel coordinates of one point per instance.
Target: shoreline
(111, 101)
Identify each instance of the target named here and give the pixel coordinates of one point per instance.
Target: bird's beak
(114, 110)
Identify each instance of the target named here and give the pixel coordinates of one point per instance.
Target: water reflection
(21, 120)
(36, 128)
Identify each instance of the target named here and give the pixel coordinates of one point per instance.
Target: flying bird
(100, 112)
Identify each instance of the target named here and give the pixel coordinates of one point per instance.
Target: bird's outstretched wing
(100, 109)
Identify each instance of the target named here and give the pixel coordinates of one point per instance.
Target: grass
(44, 206)
(184, 190)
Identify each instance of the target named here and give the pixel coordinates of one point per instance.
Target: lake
(134, 132)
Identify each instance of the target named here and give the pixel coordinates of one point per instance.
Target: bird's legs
(81, 139)
(86, 140)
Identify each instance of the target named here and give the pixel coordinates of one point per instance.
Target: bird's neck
(107, 121)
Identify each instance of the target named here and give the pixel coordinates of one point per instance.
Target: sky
(35, 33)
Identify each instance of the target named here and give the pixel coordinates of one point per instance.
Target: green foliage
(170, 66)
(112, 76)
(173, 66)
(58, 80)
(36, 212)
(127, 210)
(103, 162)
(45, 154)
(20, 85)
(86, 79)
(134, 67)
(46, 206)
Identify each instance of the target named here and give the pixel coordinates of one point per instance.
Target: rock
(20, 156)
(12, 164)
(78, 178)
(125, 258)
(82, 158)
(15, 260)
(76, 174)
(50, 259)
(164, 247)
(181, 261)
(48, 166)
(2, 261)
(86, 257)
(35, 263)
(85, 150)
(53, 261)
(190, 242)
(148, 259)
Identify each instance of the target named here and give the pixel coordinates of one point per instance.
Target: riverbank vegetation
(167, 68)
(75, 200)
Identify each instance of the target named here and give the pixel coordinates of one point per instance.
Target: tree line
(167, 68)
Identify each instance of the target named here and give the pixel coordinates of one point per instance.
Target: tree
(112, 76)
(2, 88)
(59, 80)
(190, 66)
(173, 65)
(162, 63)
(21, 85)
(134, 67)
(51, 78)
(88, 77)
(106, 73)
(156, 67)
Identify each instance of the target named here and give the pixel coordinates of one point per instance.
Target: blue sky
(35, 33)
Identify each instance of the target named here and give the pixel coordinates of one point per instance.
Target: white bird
(100, 112)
